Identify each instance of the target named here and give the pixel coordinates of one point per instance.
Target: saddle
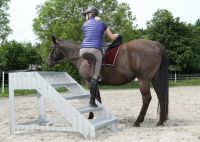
(106, 46)
(110, 51)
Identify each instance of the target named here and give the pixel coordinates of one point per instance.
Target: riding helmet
(91, 9)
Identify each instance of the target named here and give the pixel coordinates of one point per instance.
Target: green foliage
(4, 21)
(194, 65)
(120, 19)
(3, 59)
(16, 56)
(175, 36)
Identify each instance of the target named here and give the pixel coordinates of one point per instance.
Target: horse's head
(55, 55)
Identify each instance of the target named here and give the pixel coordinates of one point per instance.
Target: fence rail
(181, 77)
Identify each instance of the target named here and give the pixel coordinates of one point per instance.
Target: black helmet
(91, 9)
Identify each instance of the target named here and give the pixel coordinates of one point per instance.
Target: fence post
(175, 77)
(2, 83)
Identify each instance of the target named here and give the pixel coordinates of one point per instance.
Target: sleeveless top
(93, 32)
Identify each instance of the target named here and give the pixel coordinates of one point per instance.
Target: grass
(133, 85)
(26, 92)
(130, 85)
(20, 92)
(192, 82)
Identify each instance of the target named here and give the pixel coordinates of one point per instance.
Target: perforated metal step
(70, 97)
(56, 85)
(89, 109)
(103, 123)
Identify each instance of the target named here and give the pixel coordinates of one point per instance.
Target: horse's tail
(160, 84)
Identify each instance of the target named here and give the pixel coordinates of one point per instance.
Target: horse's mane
(69, 41)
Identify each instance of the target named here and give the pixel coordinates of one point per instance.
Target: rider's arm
(110, 34)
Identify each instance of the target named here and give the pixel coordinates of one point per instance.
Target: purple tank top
(93, 32)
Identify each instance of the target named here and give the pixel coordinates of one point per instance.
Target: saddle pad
(110, 56)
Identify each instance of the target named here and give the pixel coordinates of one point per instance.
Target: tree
(3, 60)
(194, 65)
(64, 20)
(174, 35)
(16, 56)
(4, 28)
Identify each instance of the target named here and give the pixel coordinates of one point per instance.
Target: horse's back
(143, 44)
(144, 48)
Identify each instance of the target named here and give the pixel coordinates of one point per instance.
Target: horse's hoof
(136, 124)
(91, 115)
(160, 124)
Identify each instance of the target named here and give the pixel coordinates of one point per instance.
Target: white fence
(4, 78)
(183, 77)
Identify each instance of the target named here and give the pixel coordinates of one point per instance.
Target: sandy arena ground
(183, 124)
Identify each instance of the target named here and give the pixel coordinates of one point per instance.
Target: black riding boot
(93, 90)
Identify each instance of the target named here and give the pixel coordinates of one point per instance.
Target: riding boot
(99, 78)
(93, 90)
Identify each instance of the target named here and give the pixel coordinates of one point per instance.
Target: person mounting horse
(141, 58)
(91, 47)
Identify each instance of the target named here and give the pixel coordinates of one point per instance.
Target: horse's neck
(73, 55)
(75, 60)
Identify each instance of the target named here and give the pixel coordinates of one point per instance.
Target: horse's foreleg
(146, 98)
(98, 97)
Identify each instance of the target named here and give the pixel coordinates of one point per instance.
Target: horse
(143, 59)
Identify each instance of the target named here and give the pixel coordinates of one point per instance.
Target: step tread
(63, 84)
(70, 97)
(104, 122)
(89, 109)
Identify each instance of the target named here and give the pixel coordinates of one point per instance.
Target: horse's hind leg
(146, 98)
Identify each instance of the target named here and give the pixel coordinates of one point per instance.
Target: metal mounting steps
(45, 84)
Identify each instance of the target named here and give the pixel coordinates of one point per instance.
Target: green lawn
(134, 84)
(126, 86)
(192, 82)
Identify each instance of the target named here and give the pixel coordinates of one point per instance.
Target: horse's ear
(54, 39)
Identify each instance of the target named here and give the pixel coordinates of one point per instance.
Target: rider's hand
(97, 18)
(115, 35)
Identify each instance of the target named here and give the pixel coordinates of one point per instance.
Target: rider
(93, 30)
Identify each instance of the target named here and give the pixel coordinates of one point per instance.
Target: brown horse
(143, 59)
